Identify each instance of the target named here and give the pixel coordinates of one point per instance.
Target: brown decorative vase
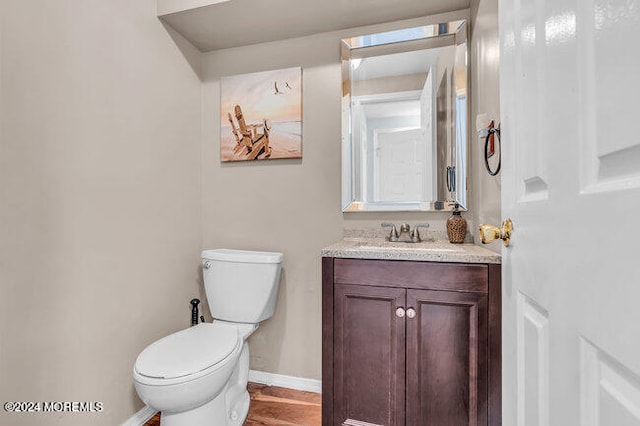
(456, 227)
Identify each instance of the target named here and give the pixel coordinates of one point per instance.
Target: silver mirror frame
(351, 199)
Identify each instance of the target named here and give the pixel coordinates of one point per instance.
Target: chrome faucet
(414, 235)
(393, 235)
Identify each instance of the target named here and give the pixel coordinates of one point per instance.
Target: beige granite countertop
(359, 244)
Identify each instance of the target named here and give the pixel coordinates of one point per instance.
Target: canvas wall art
(261, 115)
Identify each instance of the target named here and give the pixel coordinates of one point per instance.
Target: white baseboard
(141, 417)
(290, 382)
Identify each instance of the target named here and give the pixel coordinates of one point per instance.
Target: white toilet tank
(241, 286)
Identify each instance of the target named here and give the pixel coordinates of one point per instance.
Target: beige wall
(291, 206)
(100, 200)
(485, 63)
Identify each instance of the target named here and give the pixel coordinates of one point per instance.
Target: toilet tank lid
(242, 256)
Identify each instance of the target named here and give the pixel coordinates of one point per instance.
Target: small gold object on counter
(489, 233)
(456, 227)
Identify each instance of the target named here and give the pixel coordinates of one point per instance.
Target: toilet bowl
(198, 376)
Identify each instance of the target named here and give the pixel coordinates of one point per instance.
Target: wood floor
(271, 405)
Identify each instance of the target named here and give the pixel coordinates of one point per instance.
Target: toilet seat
(187, 354)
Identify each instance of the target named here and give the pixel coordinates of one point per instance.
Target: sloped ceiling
(235, 23)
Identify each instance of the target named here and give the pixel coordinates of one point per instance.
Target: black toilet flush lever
(194, 311)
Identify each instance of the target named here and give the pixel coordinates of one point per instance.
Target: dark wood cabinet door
(369, 356)
(446, 359)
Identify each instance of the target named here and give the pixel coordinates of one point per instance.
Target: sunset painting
(261, 115)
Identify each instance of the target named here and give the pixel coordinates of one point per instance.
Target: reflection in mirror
(404, 119)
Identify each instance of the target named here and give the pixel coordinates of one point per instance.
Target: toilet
(198, 376)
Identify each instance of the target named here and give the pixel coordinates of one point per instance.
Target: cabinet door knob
(411, 313)
(400, 312)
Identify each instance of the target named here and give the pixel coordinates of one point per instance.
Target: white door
(570, 93)
(398, 172)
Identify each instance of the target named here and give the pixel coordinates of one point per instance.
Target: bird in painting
(276, 91)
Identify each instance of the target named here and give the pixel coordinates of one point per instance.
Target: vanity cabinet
(410, 343)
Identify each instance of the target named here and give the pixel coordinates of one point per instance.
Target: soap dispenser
(456, 226)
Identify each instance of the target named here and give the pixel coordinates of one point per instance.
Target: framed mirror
(404, 119)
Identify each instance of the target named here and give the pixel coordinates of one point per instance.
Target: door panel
(609, 93)
(610, 392)
(533, 363)
(399, 166)
(446, 359)
(571, 166)
(369, 356)
(531, 156)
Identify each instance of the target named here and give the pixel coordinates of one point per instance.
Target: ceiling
(405, 63)
(233, 23)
